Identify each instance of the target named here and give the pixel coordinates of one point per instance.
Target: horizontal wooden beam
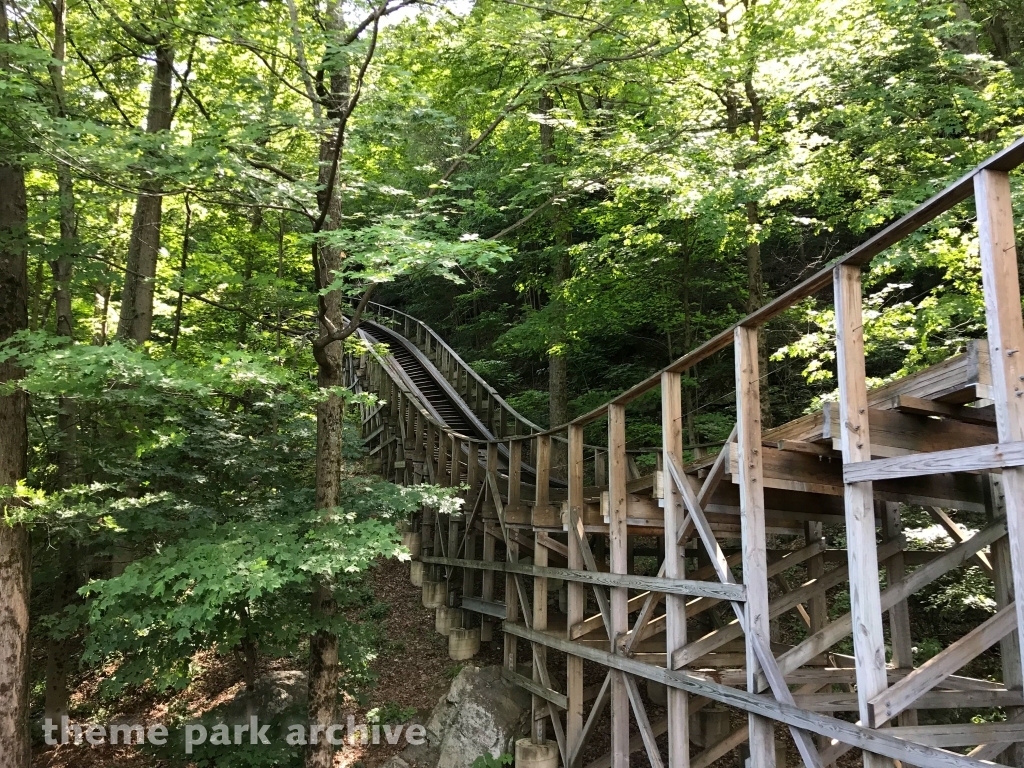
(733, 592)
(980, 458)
(558, 699)
(485, 607)
(877, 741)
(984, 416)
(953, 735)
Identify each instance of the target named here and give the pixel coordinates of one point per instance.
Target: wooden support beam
(951, 735)
(755, 558)
(984, 416)
(958, 534)
(619, 597)
(980, 458)
(674, 568)
(902, 695)
(536, 688)
(1001, 284)
(1009, 649)
(899, 614)
(731, 592)
(577, 597)
(540, 623)
(865, 600)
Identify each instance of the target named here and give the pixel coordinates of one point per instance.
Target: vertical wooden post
(675, 568)
(600, 469)
(817, 607)
(469, 574)
(542, 459)
(861, 547)
(899, 614)
(1000, 280)
(540, 623)
(1002, 577)
(515, 474)
(512, 551)
(619, 598)
(487, 579)
(577, 594)
(755, 557)
(456, 465)
(472, 472)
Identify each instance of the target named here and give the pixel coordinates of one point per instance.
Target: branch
(516, 225)
(340, 334)
(99, 81)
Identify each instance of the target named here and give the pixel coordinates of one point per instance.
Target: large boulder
(481, 713)
(274, 694)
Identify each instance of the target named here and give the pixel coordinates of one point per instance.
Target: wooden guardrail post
(577, 595)
(755, 559)
(675, 568)
(619, 598)
(862, 555)
(1000, 281)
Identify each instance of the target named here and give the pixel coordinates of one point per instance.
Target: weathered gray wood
(755, 559)
(878, 741)
(540, 623)
(978, 458)
(731, 592)
(577, 597)
(647, 733)
(1001, 284)
(957, 534)
(595, 713)
(674, 568)
(1009, 651)
(484, 607)
(535, 688)
(619, 597)
(899, 615)
(984, 416)
(902, 695)
(865, 602)
(952, 735)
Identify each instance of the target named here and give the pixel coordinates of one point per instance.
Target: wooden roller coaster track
(642, 559)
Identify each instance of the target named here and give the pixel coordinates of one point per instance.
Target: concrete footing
(416, 573)
(435, 593)
(463, 644)
(446, 619)
(412, 540)
(530, 755)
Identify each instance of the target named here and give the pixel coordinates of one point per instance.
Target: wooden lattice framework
(949, 438)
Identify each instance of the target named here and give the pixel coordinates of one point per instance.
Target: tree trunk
(136, 320)
(324, 672)
(558, 362)
(15, 549)
(57, 661)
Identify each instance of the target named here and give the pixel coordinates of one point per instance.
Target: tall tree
(136, 320)
(15, 549)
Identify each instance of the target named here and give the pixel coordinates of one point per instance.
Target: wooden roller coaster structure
(555, 516)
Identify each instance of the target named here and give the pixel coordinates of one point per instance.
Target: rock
(275, 693)
(395, 762)
(481, 713)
